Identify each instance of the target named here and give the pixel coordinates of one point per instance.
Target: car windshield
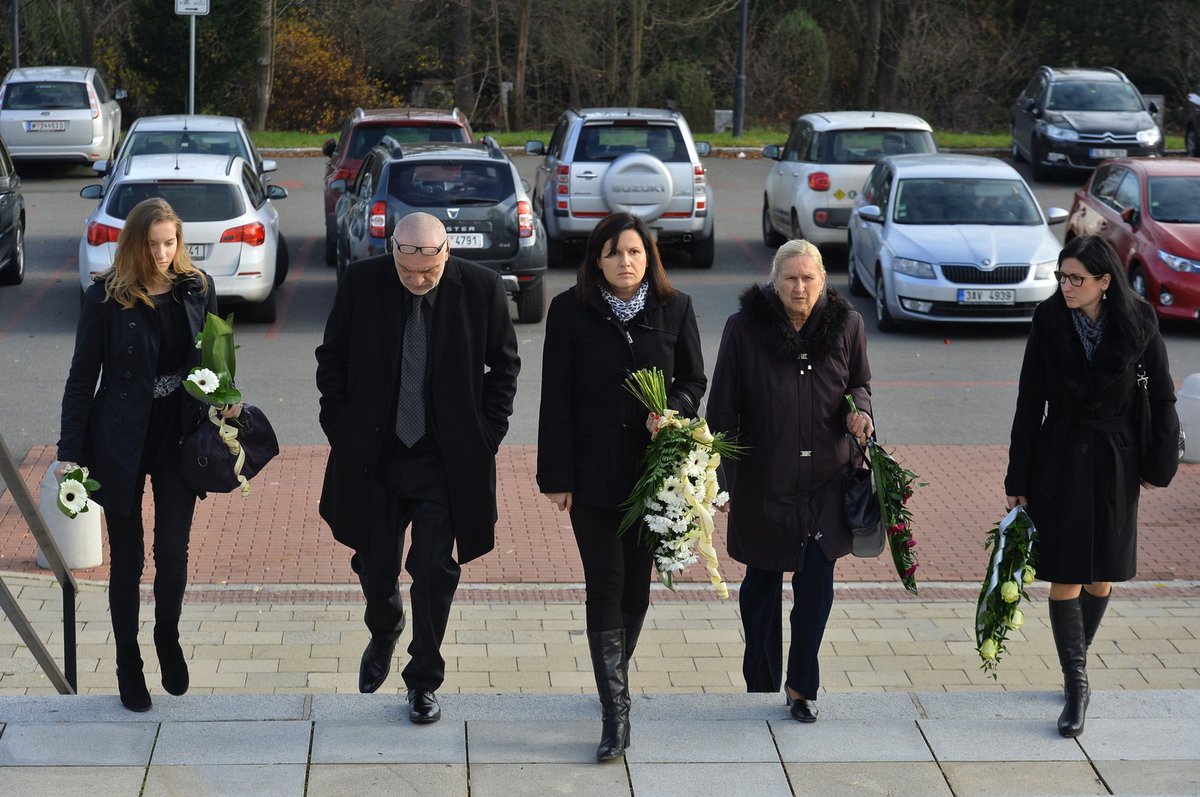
(192, 201)
(609, 142)
(954, 200)
(1099, 96)
(366, 136)
(868, 146)
(195, 142)
(1175, 200)
(45, 95)
(437, 184)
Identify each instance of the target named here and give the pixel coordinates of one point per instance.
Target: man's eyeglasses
(1076, 279)
(428, 251)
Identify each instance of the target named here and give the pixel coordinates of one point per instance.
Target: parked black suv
(1075, 118)
(473, 188)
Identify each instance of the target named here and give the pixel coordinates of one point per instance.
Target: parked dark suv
(1075, 118)
(364, 129)
(473, 188)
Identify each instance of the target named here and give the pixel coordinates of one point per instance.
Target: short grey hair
(793, 249)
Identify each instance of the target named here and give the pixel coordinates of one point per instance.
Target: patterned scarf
(1089, 333)
(627, 310)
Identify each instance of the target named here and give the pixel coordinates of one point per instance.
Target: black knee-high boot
(131, 682)
(612, 684)
(633, 630)
(1093, 609)
(170, 582)
(1066, 621)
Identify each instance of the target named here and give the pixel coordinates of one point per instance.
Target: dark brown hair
(604, 240)
(1099, 258)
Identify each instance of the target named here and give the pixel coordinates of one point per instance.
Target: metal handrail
(65, 684)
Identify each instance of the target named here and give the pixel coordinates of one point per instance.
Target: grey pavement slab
(1151, 777)
(850, 740)
(1144, 703)
(87, 744)
(867, 778)
(1029, 779)
(712, 741)
(223, 743)
(575, 780)
(278, 780)
(368, 780)
(515, 742)
(399, 742)
(57, 781)
(108, 708)
(998, 740)
(1142, 739)
(689, 780)
(991, 705)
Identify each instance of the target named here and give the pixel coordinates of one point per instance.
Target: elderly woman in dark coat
(1077, 459)
(786, 361)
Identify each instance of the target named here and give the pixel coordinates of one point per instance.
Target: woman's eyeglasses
(1076, 279)
(410, 249)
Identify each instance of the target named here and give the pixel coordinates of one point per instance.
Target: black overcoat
(781, 392)
(473, 379)
(110, 388)
(591, 430)
(1075, 453)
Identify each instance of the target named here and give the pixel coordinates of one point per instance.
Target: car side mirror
(771, 151)
(703, 149)
(276, 192)
(120, 94)
(269, 166)
(337, 187)
(535, 148)
(1030, 106)
(5, 184)
(1131, 217)
(329, 147)
(100, 167)
(91, 191)
(871, 213)
(1056, 215)
(1152, 108)
(525, 185)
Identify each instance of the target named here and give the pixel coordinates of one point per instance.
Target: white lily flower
(73, 495)
(204, 379)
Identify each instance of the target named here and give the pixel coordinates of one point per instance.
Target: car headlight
(1060, 133)
(1177, 263)
(1149, 137)
(913, 268)
(1045, 270)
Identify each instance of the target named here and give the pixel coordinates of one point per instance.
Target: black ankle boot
(1066, 621)
(171, 663)
(131, 684)
(612, 684)
(1093, 609)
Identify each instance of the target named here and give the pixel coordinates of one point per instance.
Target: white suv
(811, 189)
(635, 160)
(59, 113)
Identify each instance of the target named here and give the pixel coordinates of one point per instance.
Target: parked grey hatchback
(61, 113)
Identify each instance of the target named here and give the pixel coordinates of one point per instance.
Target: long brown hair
(133, 269)
(604, 239)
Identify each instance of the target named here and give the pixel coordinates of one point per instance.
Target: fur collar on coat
(770, 328)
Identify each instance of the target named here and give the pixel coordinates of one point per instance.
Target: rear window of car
(436, 184)
(190, 141)
(46, 95)
(363, 137)
(868, 146)
(964, 201)
(608, 142)
(1085, 96)
(1174, 200)
(192, 201)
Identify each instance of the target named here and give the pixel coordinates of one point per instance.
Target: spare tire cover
(638, 183)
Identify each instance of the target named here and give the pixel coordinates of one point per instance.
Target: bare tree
(265, 67)
(892, 45)
(464, 94)
(870, 23)
(522, 59)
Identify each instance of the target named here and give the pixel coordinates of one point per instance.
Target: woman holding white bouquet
(787, 359)
(124, 414)
(621, 316)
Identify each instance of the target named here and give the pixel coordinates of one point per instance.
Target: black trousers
(174, 505)
(616, 570)
(416, 478)
(761, 603)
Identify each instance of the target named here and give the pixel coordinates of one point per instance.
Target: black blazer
(104, 426)
(473, 366)
(591, 431)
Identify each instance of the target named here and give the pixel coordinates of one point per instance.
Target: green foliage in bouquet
(1010, 570)
(212, 382)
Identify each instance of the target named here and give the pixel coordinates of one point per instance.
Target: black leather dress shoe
(423, 706)
(804, 710)
(376, 662)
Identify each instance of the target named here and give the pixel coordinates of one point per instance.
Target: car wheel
(703, 251)
(531, 303)
(265, 311)
(1040, 172)
(1191, 143)
(770, 237)
(14, 272)
(1137, 281)
(857, 287)
(1016, 151)
(282, 260)
(330, 244)
(883, 316)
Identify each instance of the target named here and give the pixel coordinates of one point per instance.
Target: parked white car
(230, 227)
(195, 134)
(951, 238)
(59, 113)
(818, 173)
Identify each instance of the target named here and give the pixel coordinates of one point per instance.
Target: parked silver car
(196, 134)
(951, 238)
(59, 113)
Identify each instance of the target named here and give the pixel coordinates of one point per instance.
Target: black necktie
(410, 410)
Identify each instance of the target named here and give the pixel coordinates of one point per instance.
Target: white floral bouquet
(1010, 570)
(674, 499)
(75, 489)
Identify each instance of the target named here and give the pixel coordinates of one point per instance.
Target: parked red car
(364, 129)
(1149, 210)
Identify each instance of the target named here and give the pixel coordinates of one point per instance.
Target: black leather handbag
(210, 463)
(863, 514)
(1145, 425)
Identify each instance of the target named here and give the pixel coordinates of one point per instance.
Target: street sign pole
(192, 9)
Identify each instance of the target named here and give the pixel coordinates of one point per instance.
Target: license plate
(1108, 153)
(42, 127)
(986, 296)
(466, 240)
(197, 251)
